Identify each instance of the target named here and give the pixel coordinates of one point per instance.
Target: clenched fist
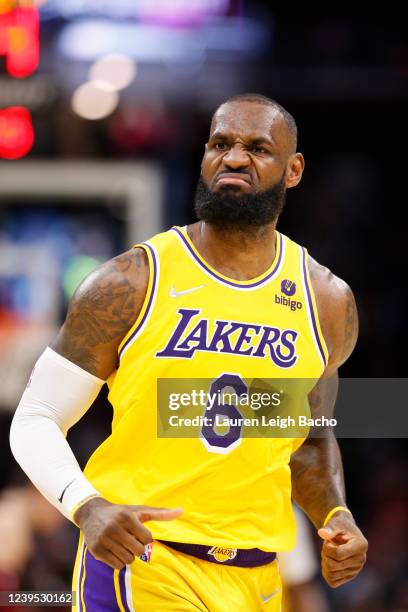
(115, 533)
(344, 549)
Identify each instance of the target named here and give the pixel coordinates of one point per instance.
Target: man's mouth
(233, 178)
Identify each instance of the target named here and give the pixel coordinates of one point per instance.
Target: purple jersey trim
(221, 278)
(149, 305)
(81, 572)
(311, 309)
(99, 587)
(122, 585)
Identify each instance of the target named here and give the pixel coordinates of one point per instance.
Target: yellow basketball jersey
(199, 324)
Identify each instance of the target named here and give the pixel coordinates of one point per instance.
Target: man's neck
(238, 254)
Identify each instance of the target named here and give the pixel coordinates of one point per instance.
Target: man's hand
(344, 549)
(115, 533)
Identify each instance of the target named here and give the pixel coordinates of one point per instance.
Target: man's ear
(294, 170)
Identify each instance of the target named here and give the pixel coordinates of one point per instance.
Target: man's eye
(258, 149)
(220, 146)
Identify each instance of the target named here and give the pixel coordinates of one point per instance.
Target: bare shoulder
(101, 312)
(337, 312)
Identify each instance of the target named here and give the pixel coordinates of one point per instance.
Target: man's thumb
(327, 533)
(147, 513)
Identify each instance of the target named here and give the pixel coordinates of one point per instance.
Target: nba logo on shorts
(222, 554)
(288, 287)
(147, 553)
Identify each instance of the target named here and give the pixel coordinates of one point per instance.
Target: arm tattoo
(317, 477)
(139, 259)
(102, 311)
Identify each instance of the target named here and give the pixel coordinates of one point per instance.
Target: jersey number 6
(228, 436)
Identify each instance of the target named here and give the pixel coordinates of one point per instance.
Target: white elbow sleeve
(57, 395)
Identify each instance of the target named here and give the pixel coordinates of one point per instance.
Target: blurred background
(104, 112)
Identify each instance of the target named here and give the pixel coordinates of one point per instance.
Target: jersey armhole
(312, 311)
(147, 306)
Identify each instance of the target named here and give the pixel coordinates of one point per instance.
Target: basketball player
(213, 298)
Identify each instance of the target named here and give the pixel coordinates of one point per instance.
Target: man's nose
(236, 157)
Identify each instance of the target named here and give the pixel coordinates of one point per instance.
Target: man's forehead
(248, 118)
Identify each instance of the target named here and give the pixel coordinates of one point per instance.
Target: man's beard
(230, 210)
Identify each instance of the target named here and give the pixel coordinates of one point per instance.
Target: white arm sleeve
(57, 395)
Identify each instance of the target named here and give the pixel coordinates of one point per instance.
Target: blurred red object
(141, 129)
(20, 40)
(16, 132)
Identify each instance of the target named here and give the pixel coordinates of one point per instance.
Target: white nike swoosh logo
(175, 294)
(269, 597)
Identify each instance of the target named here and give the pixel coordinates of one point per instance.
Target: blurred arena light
(115, 69)
(231, 38)
(94, 100)
(37, 3)
(181, 12)
(175, 11)
(19, 38)
(16, 132)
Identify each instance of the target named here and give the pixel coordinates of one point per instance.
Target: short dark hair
(265, 101)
